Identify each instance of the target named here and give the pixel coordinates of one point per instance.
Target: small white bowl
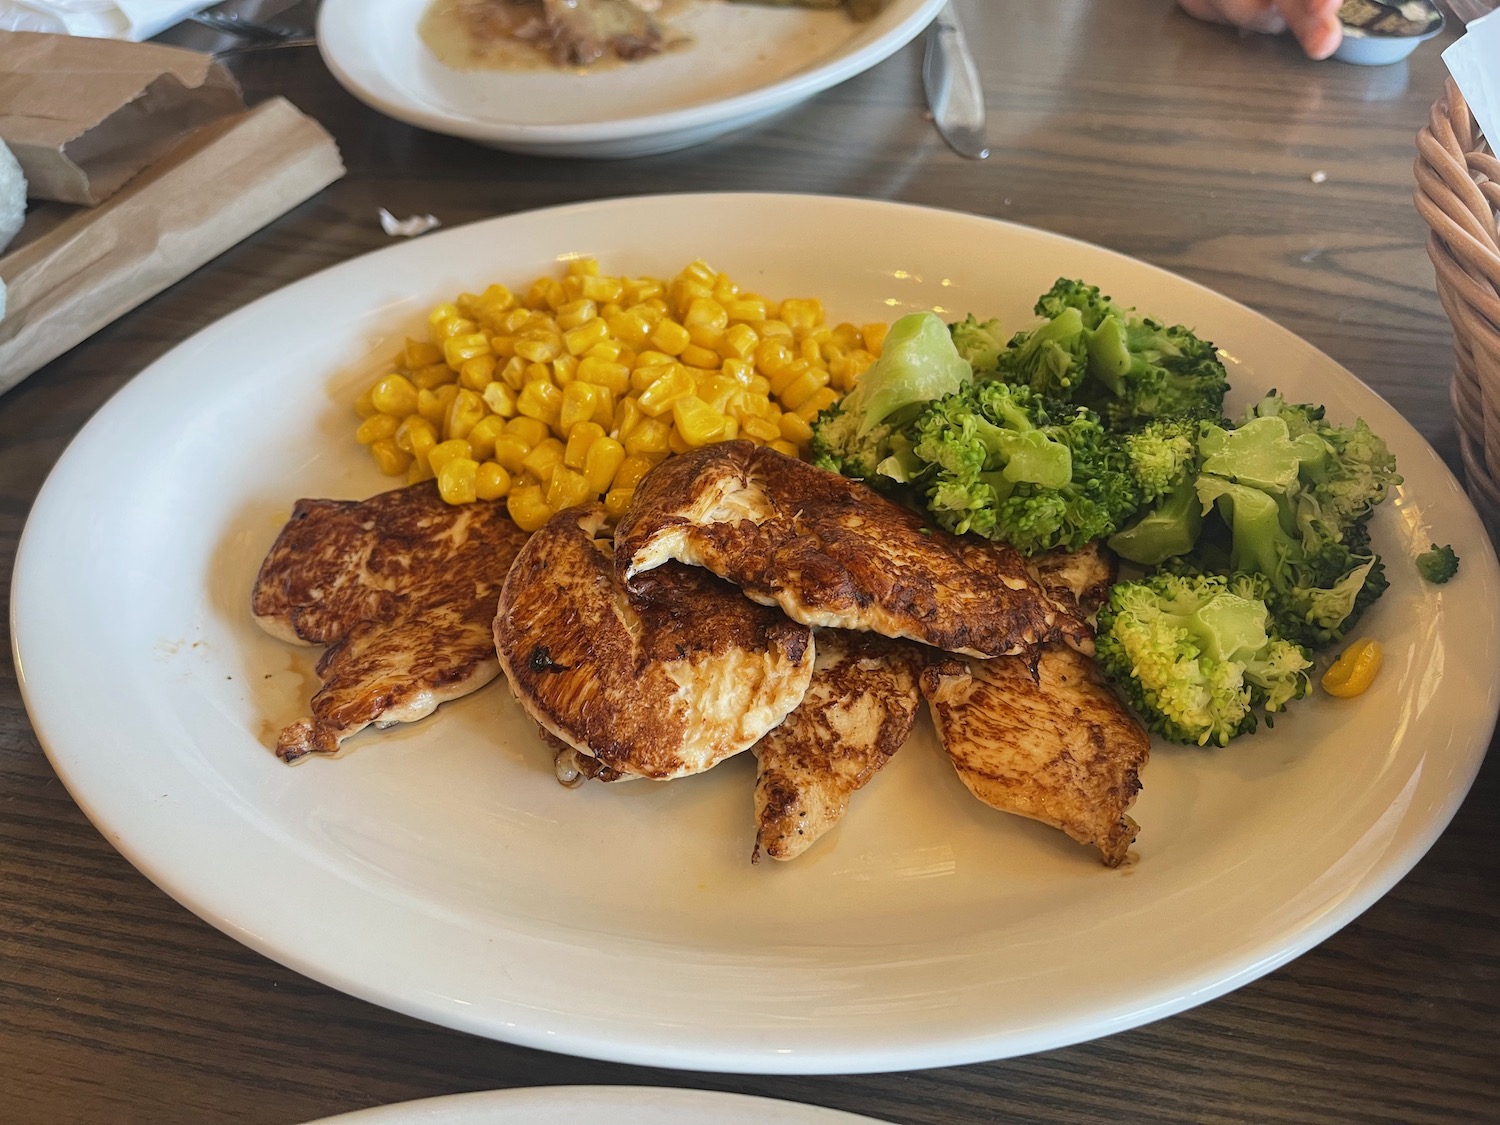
(1367, 48)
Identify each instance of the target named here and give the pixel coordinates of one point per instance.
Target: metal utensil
(953, 91)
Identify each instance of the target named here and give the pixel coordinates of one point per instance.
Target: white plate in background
(744, 63)
(597, 1105)
(440, 870)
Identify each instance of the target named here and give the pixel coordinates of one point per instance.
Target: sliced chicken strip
(831, 552)
(856, 714)
(1079, 581)
(667, 684)
(402, 587)
(1057, 747)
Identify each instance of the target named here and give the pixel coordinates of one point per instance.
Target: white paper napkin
(99, 19)
(1474, 62)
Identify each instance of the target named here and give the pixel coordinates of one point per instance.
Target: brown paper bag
(84, 115)
(220, 186)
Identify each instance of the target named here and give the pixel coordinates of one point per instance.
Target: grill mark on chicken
(1059, 748)
(1078, 581)
(664, 685)
(832, 553)
(858, 711)
(402, 589)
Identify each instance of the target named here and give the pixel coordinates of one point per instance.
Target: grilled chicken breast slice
(1078, 581)
(1056, 747)
(832, 553)
(402, 589)
(665, 684)
(858, 710)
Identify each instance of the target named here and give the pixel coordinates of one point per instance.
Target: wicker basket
(1458, 193)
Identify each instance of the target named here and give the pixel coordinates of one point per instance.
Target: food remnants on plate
(573, 34)
(957, 539)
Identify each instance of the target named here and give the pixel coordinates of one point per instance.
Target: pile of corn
(573, 391)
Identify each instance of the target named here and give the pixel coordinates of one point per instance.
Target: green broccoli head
(1437, 565)
(1142, 369)
(1051, 360)
(1003, 463)
(979, 342)
(1198, 656)
(1092, 305)
(863, 431)
(1162, 454)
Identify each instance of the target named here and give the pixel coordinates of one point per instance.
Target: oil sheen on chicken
(402, 589)
(858, 711)
(665, 684)
(832, 553)
(1056, 746)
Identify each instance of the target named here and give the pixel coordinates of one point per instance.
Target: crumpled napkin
(98, 19)
(1474, 62)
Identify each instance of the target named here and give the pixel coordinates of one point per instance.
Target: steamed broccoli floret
(1000, 463)
(979, 342)
(1163, 459)
(1198, 655)
(863, 431)
(1322, 574)
(1166, 531)
(1162, 454)
(1438, 565)
(1124, 367)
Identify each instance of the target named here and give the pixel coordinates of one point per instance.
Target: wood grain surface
(1121, 122)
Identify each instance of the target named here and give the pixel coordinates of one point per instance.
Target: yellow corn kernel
(676, 443)
(567, 489)
(872, 336)
(745, 308)
(500, 399)
(741, 371)
(627, 417)
(783, 447)
(418, 471)
(585, 336)
(456, 480)
(545, 293)
(601, 463)
(416, 435)
(607, 349)
(603, 289)
(491, 481)
(477, 372)
(456, 349)
(527, 507)
(649, 436)
(760, 429)
(577, 406)
(1355, 669)
(395, 395)
(718, 391)
(801, 315)
(705, 312)
(481, 437)
(779, 329)
(536, 373)
(513, 374)
(531, 431)
(697, 422)
(464, 412)
(375, 428)
(844, 336)
(445, 451)
(544, 456)
(433, 405)
(759, 385)
(432, 376)
(647, 373)
(738, 342)
(541, 348)
(665, 390)
(616, 501)
(821, 400)
(773, 357)
(631, 470)
(510, 451)
(580, 437)
(789, 375)
(670, 337)
(604, 407)
(391, 460)
(638, 289)
(363, 406)
(802, 388)
(576, 313)
(795, 430)
(541, 401)
(420, 353)
(564, 370)
(604, 373)
(694, 356)
(453, 326)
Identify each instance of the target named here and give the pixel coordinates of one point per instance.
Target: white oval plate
(744, 63)
(597, 1105)
(439, 869)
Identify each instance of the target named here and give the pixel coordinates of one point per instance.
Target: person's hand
(1315, 23)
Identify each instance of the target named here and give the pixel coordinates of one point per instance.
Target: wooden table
(1116, 121)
